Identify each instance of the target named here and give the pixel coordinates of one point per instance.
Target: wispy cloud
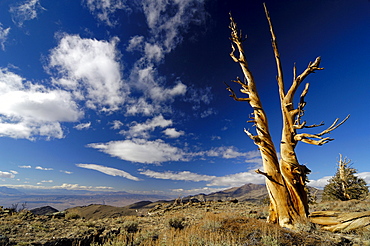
(184, 175)
(157, 151)
(142, 130)
(116, 124)
(167, 21)
(108, 170)
(231, 152)
(173, 133)
(63, 186)
(43, 168)
(8, 175)
(28, 110)
(25, 166)
(104, 9)
(238, 179)
(141, 150)
(166, 24)
(26, 11)
(90, 70)
(3, 36)
(67, 172)
(45, 181)
(83, 126)
(232, 180)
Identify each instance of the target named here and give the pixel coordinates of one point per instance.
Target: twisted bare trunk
(285, 180)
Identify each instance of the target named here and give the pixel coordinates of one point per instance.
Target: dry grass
(205, 224)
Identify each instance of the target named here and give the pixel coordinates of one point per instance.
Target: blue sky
(115, 95)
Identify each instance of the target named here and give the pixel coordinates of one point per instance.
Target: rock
(44, 210)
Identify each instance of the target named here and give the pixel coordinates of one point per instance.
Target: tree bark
(285, 180)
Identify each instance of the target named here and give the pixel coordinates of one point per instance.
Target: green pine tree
(345, 185)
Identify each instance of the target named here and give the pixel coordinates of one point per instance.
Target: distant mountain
(247, 192)
(5, 191)
(67, 199)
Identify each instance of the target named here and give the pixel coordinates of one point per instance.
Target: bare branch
(250, 134)
(233, 95)
(232, 54)
(269, 177)
(333, 126)
(310, 138)
(315, 125)
(263, 173)
(311, 68)
(280, 79)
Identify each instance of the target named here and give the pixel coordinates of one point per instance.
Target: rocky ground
(164, 223)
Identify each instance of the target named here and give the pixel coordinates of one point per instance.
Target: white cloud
(108, 170)
(167, 24)
(184, 175)
(63, 186)
(28, 110)
(319, 183)
(143, 130)
(89, 68)
(67, 172)
(24, 166)
(208, 112)
(3, 36)
(26, 11)
(105, 9)
(232, 180)
(159, 93)
(135, 43)
(43, 168)
(13, 172)
(116, 124)
(142, 106)
(199, 96)
(83, 126)
(144, 77)
(167, 20)
(238, 179)
(231, 152)
(173, 133)
(225, 152)
(141, 150)
(6, 175)
(365, 176)
(80, 187)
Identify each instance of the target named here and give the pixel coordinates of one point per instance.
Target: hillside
(171, 224)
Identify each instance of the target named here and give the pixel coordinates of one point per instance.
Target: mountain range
(67, 199)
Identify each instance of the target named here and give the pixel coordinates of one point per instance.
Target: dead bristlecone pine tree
(345, 185)
(285, 178)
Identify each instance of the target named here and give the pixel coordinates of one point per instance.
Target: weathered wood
(285, 179)
(340, 221)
